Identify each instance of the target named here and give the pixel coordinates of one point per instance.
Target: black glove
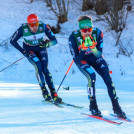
(44, 43)
(28, 53)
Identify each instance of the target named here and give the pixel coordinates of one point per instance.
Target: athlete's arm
(77, 56)
(15, 37)
(50, 35)
(99, 45)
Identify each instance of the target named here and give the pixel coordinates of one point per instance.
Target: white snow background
(21, 108)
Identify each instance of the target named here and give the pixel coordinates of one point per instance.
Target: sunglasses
(85, 30)
(34, 24)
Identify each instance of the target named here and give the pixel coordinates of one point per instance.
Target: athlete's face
(86, 32)
(34, 27)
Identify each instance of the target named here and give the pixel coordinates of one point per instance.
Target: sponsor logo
(78, 38)
(40, 28)
(43, 58)
(24, 24)
(98, 60)
(72, 52)
(33, 19)
(88, 51)
(75, 32)
(14, 36)
(26, 30)
(102, 66)
(86, 25)
(43, 52)
(71, 49)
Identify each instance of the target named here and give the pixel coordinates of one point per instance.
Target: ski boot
(117, 109)
(45, 94)
(94, 108)
(55, 96)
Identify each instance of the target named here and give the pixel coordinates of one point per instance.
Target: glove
(84, 46)
(96, 53)
(88, 42)
(92, 46)
(28, 53)
(44, 43)
(91, 43)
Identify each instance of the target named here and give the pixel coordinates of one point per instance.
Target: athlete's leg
(90, 74)
(43, 56)
(102, 69)
(34, 60)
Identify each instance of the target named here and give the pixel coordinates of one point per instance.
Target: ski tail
(53, 103)
(71, 105)
(63, 104)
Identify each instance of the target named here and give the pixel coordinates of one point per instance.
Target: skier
(86, 48)
(34, 33)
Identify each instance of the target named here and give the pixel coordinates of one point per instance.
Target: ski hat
(85, 24)
(32, 18)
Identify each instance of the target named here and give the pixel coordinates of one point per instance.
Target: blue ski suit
(87, 61)
(39, 56)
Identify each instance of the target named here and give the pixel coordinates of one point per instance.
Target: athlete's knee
(108, 80)
(46, 71)
(35, 62)
(91, 73)
(39, 66)
(91, 80)
(93, 77)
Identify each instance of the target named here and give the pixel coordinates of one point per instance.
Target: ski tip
(103, 118)
(123, 119)
(119, 123)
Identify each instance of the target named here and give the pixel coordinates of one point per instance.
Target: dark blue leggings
(101, 67)
(39, 59)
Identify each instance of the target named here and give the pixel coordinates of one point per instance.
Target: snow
(21, 108)
(23, 112)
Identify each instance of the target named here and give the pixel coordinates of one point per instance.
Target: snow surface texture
(21, 108)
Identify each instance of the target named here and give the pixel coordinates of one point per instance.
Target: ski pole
(65, 75)
(11, 64)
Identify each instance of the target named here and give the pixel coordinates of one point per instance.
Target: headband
(85, 23)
